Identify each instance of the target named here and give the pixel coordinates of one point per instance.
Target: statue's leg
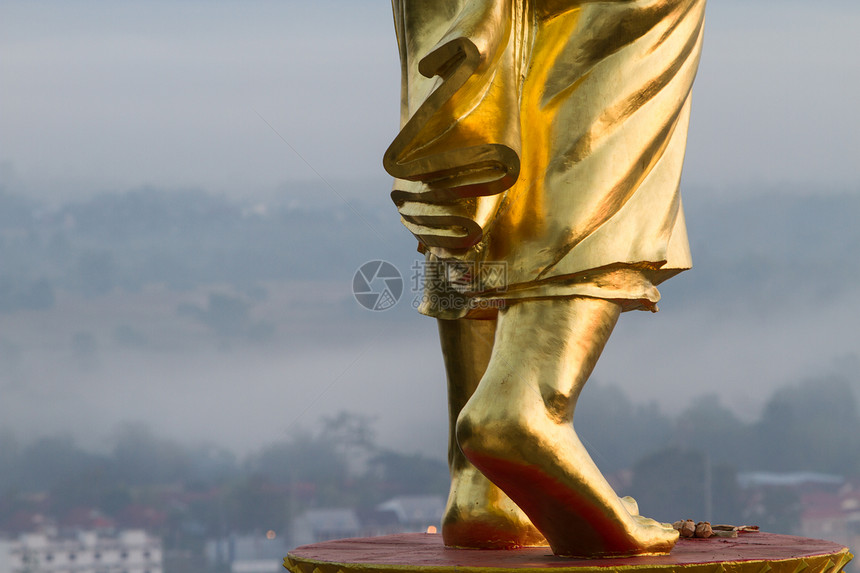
(517, 429)
(478, 514)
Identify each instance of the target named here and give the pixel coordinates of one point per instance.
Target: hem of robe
(631, 285)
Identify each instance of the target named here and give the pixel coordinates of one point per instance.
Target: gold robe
(541, 147)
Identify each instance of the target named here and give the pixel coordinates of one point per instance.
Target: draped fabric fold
(455, 148)
(548, 136)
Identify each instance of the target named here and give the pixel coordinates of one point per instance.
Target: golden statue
(538, 164)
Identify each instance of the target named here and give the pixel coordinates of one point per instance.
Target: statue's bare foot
(572, 506)
(516, 429)
(480, 516)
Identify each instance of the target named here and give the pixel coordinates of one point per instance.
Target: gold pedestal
(425, 553)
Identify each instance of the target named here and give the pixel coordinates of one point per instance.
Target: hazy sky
(113, 95)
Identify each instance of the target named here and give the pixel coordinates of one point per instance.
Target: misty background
(187, 188)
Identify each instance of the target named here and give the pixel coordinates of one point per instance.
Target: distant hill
(762, 249)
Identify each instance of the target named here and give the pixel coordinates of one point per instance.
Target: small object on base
(425, 553)
(733, 530)
(685, 527)
(726, 533)
(703, 530)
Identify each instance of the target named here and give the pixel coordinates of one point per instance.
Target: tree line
(205, 490)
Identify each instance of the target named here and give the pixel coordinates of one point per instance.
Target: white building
(6, 555)
(131, 551)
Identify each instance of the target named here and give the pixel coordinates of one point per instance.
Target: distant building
(832, 516)
(820, 506)
(6, 555)
(404, 514)
(415, 513)
(261, 553)
(795, 480)
(315, 525)
(131, 551)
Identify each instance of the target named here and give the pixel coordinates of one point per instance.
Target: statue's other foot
(480, 516)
